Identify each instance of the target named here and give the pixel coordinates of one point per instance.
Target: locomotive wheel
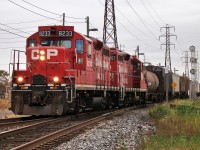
(80, 106)
(104, 104)
(110, 104)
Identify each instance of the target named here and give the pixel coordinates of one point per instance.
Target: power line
(49, 11)
(136, 36)
(134, 24)
(11, 47)
(29, 32)
(12, 33)
(99, 33)
(41, 8)
(130, 31)
(124, 16)
(14, 28)
(138, 2)
(14, 42)
(150, 14)
(156, 12)
(9, 38)
(28, 21)
(75, 22)
(73, 17)
(140, 19)
(33, 11)
(24, 28)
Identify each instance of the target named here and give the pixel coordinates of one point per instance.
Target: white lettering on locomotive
(51, 52)
(89, 63)
(35, 55)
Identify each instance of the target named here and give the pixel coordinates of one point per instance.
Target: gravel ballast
(124, 131)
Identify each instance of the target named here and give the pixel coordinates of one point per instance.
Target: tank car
(67, 71)
(161, 90)
(152, 83)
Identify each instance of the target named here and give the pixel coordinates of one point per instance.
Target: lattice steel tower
(109, 29)
(167, 43)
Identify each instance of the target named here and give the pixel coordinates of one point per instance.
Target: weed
(177, 128)
(158, 112)
(4, 103)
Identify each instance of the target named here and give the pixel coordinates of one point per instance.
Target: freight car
(179, 86)
(69, 72)
(160, 90)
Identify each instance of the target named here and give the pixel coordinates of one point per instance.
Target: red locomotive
(69, 72)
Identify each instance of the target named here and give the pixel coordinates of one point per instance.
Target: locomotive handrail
(19, 51)
(15, 64)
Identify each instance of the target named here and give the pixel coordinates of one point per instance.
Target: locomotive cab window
(79, 46)
(32, 43)
(47, 42)
(120, 58)
(113, 57)
(64, 43)
(137, 66)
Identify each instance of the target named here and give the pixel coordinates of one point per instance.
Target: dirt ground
(4, 109)
(5, 113)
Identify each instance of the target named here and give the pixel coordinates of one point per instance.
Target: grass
(193, 103)
(177, 128)
(4, 103)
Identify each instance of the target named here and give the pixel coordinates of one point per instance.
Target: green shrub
(158, 112)
(187, 110)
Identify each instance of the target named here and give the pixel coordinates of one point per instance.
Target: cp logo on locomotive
(35, 54)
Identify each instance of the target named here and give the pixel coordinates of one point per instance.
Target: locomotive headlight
(42, 52)
(55, 79)
(20, 79)
(42, 58)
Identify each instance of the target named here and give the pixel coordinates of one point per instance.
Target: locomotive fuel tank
(152, 81)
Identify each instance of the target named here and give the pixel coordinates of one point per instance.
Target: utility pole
(109, 29)
(88, 26)
(63, 19)
(168, 67)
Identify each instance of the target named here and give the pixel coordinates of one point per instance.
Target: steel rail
(15, 131)
(63, 132)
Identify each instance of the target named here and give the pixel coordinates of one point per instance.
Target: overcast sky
(138, 23)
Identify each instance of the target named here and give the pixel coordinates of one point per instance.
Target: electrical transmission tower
(167, 43)
(109, 29)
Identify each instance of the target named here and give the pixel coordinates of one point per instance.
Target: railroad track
(2, 121)
(14, 138)
(18, 124)
(60, 136)
(49, 134)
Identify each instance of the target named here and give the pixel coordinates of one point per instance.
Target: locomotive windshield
(60, 43)
(47, 43)
(64, 43)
